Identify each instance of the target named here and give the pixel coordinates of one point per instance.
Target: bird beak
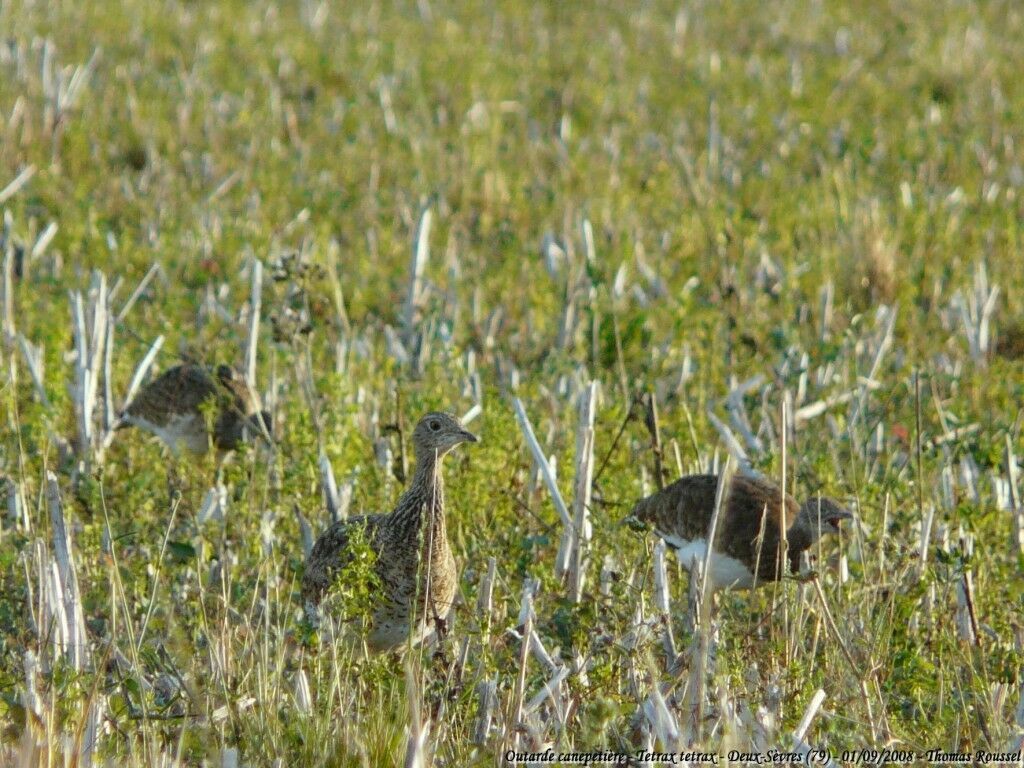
(469, 437)
(840, 516)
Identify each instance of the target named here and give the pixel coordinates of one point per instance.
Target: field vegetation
(792, 230)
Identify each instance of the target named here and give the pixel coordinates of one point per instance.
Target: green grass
(871, 146)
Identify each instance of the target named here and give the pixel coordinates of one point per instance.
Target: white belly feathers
(725, 571)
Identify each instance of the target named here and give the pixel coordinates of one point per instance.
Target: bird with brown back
(414, 562)
(172, 407)
(752, 521)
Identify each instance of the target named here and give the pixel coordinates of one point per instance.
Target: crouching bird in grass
(747, 548)
(414, 562)
(172, 407)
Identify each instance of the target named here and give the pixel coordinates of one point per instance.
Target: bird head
(438, 432)
(821, 515)
(226, 374)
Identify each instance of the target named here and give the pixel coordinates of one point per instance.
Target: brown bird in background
(171, 407)
(753, 515)
(414, 561)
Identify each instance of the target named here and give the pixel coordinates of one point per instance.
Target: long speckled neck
(424, 494)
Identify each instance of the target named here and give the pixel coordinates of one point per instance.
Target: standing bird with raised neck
(747, 548)
(171, 407)
(414, 561)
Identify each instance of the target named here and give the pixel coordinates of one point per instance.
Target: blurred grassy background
(736, 162)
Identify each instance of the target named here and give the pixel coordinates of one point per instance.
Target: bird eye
(434, 425)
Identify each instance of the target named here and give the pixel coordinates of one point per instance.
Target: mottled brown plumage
(414, 561)
(171, 407)
(750, 525)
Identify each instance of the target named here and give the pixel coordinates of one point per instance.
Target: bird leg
(174, 483)
(441, 629)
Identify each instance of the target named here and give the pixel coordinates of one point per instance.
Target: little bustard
(171, 407)
(747, 548)
(414, 561)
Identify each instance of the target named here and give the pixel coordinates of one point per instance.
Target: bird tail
(636, 519)
(641, 509)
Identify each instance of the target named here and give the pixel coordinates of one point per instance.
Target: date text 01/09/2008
(770, 757)
(931, 756)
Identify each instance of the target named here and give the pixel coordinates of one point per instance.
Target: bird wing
(755, 491)
(753, 527)
(331, 552)
(178, 390)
